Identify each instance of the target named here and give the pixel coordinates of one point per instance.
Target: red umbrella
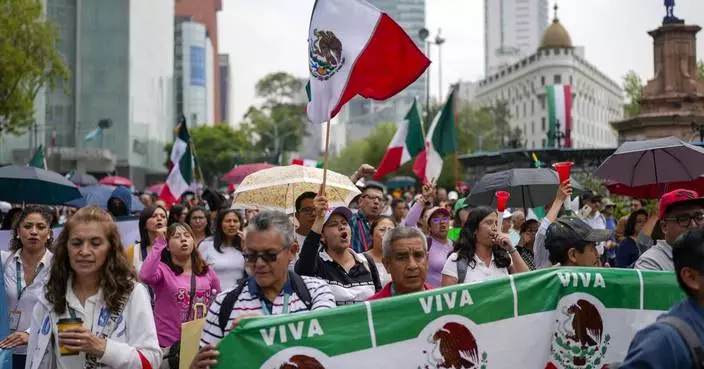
(155, 188)
(236, 175)
(655, 191)
(116, 181)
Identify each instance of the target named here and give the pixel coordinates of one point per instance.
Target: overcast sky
(264, 36)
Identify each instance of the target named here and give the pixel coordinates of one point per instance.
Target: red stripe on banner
(390, 163)
(420, 164)
(389, 63)
(568, 115)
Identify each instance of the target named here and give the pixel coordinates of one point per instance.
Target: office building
(224, 66)
(206, 13)
(596, 99)
(512, 31)
(120, 53)
(190, 71)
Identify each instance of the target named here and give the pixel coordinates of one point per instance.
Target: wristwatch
(513, 249)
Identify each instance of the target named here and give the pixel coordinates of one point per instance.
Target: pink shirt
(171, 295)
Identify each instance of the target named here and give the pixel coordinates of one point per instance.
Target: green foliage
(633, 86)
(279, 125)
(28, 61)
(216, 148)
(700, 69)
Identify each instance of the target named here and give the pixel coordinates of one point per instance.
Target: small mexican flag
(307, 163)
(560, 110)
(440, 141)
(38, 159)
(181, 163)
(355, 49)
(406, 143)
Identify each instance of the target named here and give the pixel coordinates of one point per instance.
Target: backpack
(228, 303)
(685, 330)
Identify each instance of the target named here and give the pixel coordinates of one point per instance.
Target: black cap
(572, 231)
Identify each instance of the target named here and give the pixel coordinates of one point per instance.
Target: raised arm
(307, 263)
(151, 272)
(541, 255)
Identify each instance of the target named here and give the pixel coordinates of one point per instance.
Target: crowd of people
(90, 298)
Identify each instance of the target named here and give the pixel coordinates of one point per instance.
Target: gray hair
(401, 233)
(269, 219)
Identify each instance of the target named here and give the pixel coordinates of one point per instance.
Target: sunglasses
(267, 256)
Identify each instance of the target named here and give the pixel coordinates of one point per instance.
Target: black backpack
(685, 330)
(228, 303)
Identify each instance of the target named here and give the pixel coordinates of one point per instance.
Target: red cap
(678, 197)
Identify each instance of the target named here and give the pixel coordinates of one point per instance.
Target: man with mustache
(406, 259)
(370, 206)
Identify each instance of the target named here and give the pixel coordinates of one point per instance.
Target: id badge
(14, 320)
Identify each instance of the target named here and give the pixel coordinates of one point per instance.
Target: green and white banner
(569, 318)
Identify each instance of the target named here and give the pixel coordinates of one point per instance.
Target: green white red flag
(405, 145)
(355, 49)
(307, 163)
(181, 164)
(560, 111)
(440, 142)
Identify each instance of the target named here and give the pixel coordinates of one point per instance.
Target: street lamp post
(439, 41)
(557, 135)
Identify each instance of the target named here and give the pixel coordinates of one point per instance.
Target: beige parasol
(277, 188)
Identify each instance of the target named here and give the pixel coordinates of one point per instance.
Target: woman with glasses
(628, 251)
(183, 284)
(379, 228)
(439, 244)
(527, 233)
(199, 221)
(483, 252)
(223, 251)
(26, 270)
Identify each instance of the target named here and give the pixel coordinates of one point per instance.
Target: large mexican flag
(560, 112)
(355, 49)
(405, 145)
(557, 318)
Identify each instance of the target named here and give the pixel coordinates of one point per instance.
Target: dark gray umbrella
(529, 188)
(648, 162)
(83, 179)
(25, 184)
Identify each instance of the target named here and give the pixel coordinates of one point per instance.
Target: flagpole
(454, 113)
(325, 162)
(200, 172)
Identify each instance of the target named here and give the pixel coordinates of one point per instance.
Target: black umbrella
(529, 188)
(83, 179)
(25, 184)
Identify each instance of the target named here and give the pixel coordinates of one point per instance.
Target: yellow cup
(65, 324)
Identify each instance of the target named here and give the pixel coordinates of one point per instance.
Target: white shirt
(597, 222)
(228, 265)
(134, 329)
(384, 276)
(30, 293)
(480, 273)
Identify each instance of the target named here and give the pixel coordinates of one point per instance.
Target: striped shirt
(250, 301)
(349, 287)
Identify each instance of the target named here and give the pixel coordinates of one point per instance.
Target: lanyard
(71, 312)
(18, 274)
(266, 311)
(363, 235)
(393, 289)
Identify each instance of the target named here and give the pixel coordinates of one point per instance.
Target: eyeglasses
(374, 198)
(268, 256)
(307, 210)
(683, 220)
(439, 220)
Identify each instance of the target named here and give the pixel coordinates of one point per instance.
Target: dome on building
(556, 36)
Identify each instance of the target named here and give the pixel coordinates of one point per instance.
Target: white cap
(507, 214)
(453, 196)
(342, 210)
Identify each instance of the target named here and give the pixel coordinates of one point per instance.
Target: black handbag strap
(685, 330)
(192, 296)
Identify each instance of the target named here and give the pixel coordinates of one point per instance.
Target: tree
(28, 61)
(279, 125)
(216, 148)
(633, 86)
(700, 69)
(501, 114)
